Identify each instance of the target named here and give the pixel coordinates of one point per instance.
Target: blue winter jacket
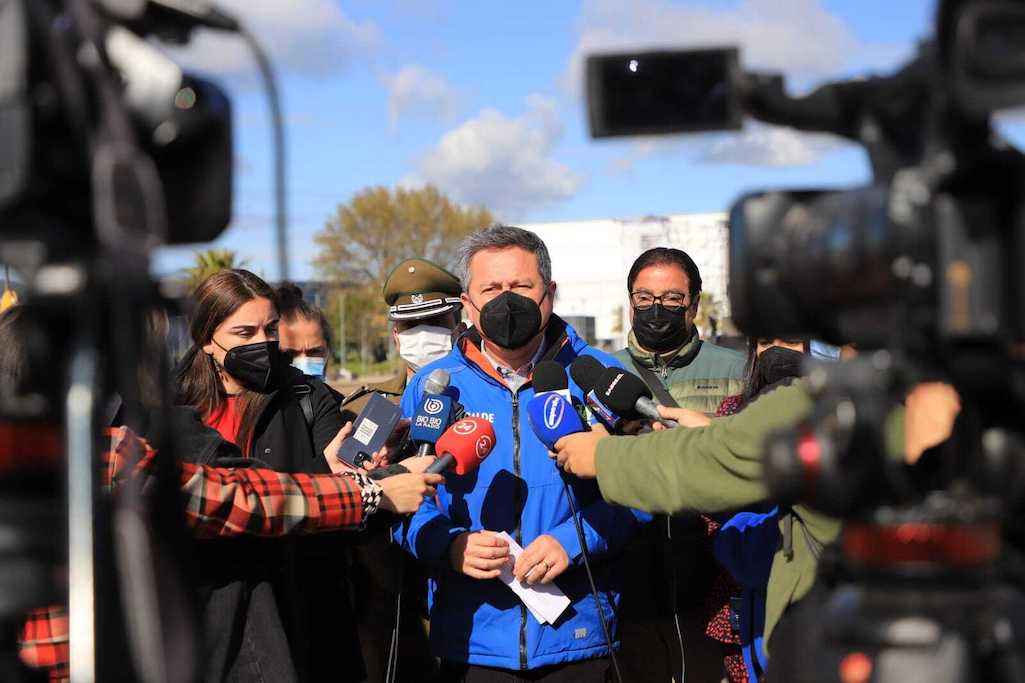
(517, 489)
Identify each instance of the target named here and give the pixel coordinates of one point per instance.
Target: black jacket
(266, 602)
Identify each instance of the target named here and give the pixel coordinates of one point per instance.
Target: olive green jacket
(715, 469)
(391, 389)
(698, 375)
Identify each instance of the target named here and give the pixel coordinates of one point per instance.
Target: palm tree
(209, 262)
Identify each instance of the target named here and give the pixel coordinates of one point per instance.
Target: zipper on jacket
(518, 533)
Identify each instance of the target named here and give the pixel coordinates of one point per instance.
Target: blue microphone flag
(431, 418)
(552, 417)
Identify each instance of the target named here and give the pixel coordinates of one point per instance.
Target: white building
(591, 259)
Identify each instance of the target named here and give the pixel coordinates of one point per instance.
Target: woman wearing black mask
(265, 604)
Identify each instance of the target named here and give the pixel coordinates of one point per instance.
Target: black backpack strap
(814, 545)
(304, 393)
(655, 384)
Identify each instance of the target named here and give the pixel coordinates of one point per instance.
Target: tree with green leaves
(379, 227)
(209, 262)
(368, 236)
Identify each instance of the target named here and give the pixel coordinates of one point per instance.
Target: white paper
(545, 601)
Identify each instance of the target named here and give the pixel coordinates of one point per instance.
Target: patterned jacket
(219, 503)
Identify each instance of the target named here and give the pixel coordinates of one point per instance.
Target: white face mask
(310, 365)
(424, 344)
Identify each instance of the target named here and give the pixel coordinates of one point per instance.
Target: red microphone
(463, 446)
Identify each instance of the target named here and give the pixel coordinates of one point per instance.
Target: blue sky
(482, 99)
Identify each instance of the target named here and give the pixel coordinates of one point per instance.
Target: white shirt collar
(514, 379)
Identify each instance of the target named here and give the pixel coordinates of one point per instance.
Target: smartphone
(371, 429)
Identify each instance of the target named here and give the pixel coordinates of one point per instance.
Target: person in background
(303, 333)
(671, 567)
(744, 542)
(424, 307)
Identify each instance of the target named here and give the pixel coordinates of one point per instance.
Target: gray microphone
(434, 385)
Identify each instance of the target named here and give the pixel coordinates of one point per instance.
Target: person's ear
(694, 303)
(395, 336)
(208, 348)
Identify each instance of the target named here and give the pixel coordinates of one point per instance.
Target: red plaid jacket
(219, 503)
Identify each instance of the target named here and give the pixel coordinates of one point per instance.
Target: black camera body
(924, 262)
(921, 270)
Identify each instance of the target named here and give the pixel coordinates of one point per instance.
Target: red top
(226, 420)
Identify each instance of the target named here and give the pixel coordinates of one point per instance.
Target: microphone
(550, 376)
(626, 394)
(552, 417)
(587, 373)
(463, 446)
(433, 414)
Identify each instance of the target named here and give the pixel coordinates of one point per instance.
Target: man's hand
(541, 561)
(403, 493)
(576, 452)
(478, 554)
(685, 416)
(418, 463)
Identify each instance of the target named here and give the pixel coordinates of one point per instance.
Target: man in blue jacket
(479, 627)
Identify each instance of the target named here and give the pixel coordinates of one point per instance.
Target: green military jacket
(391, 389)
(716, 469)
(698, 375)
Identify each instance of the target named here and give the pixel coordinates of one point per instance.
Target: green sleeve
(706, 469)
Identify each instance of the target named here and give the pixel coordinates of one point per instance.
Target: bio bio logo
(433, 406)
(464, 427)
(555, 408)
(484, 446)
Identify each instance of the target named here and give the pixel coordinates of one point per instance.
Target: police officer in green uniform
(424, 307)
(670, 565)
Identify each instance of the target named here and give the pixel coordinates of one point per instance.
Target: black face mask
(774, 365)
(511, 320)
(660, 329)
(255, 366)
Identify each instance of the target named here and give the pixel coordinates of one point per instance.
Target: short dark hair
(666, 256)
(292, 306)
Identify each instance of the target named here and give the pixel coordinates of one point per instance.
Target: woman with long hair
(235, 376)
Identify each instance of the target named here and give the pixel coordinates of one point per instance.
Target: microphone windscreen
(585, 371)
(549, 376)
(431, 418)
(619, 390)
(469, 441)
(437, 381)
(552, 417)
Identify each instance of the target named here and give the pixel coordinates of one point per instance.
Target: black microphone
(585, 371)
(627, 395)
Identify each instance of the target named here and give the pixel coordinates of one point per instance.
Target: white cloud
(309, 36)
(416, 90)
(800, 38)
(761, 145)
(502, 163)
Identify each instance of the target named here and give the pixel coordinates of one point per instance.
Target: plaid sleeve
(259, 502)
(43, 642)
(221, 502)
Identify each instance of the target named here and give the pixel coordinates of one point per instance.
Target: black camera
(925, 261)
(921, 270)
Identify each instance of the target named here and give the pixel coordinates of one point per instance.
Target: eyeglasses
(644, 300)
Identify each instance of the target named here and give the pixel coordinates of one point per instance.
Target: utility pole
(341, 328)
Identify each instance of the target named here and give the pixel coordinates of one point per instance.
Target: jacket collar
(677, 358)
(557, 336)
